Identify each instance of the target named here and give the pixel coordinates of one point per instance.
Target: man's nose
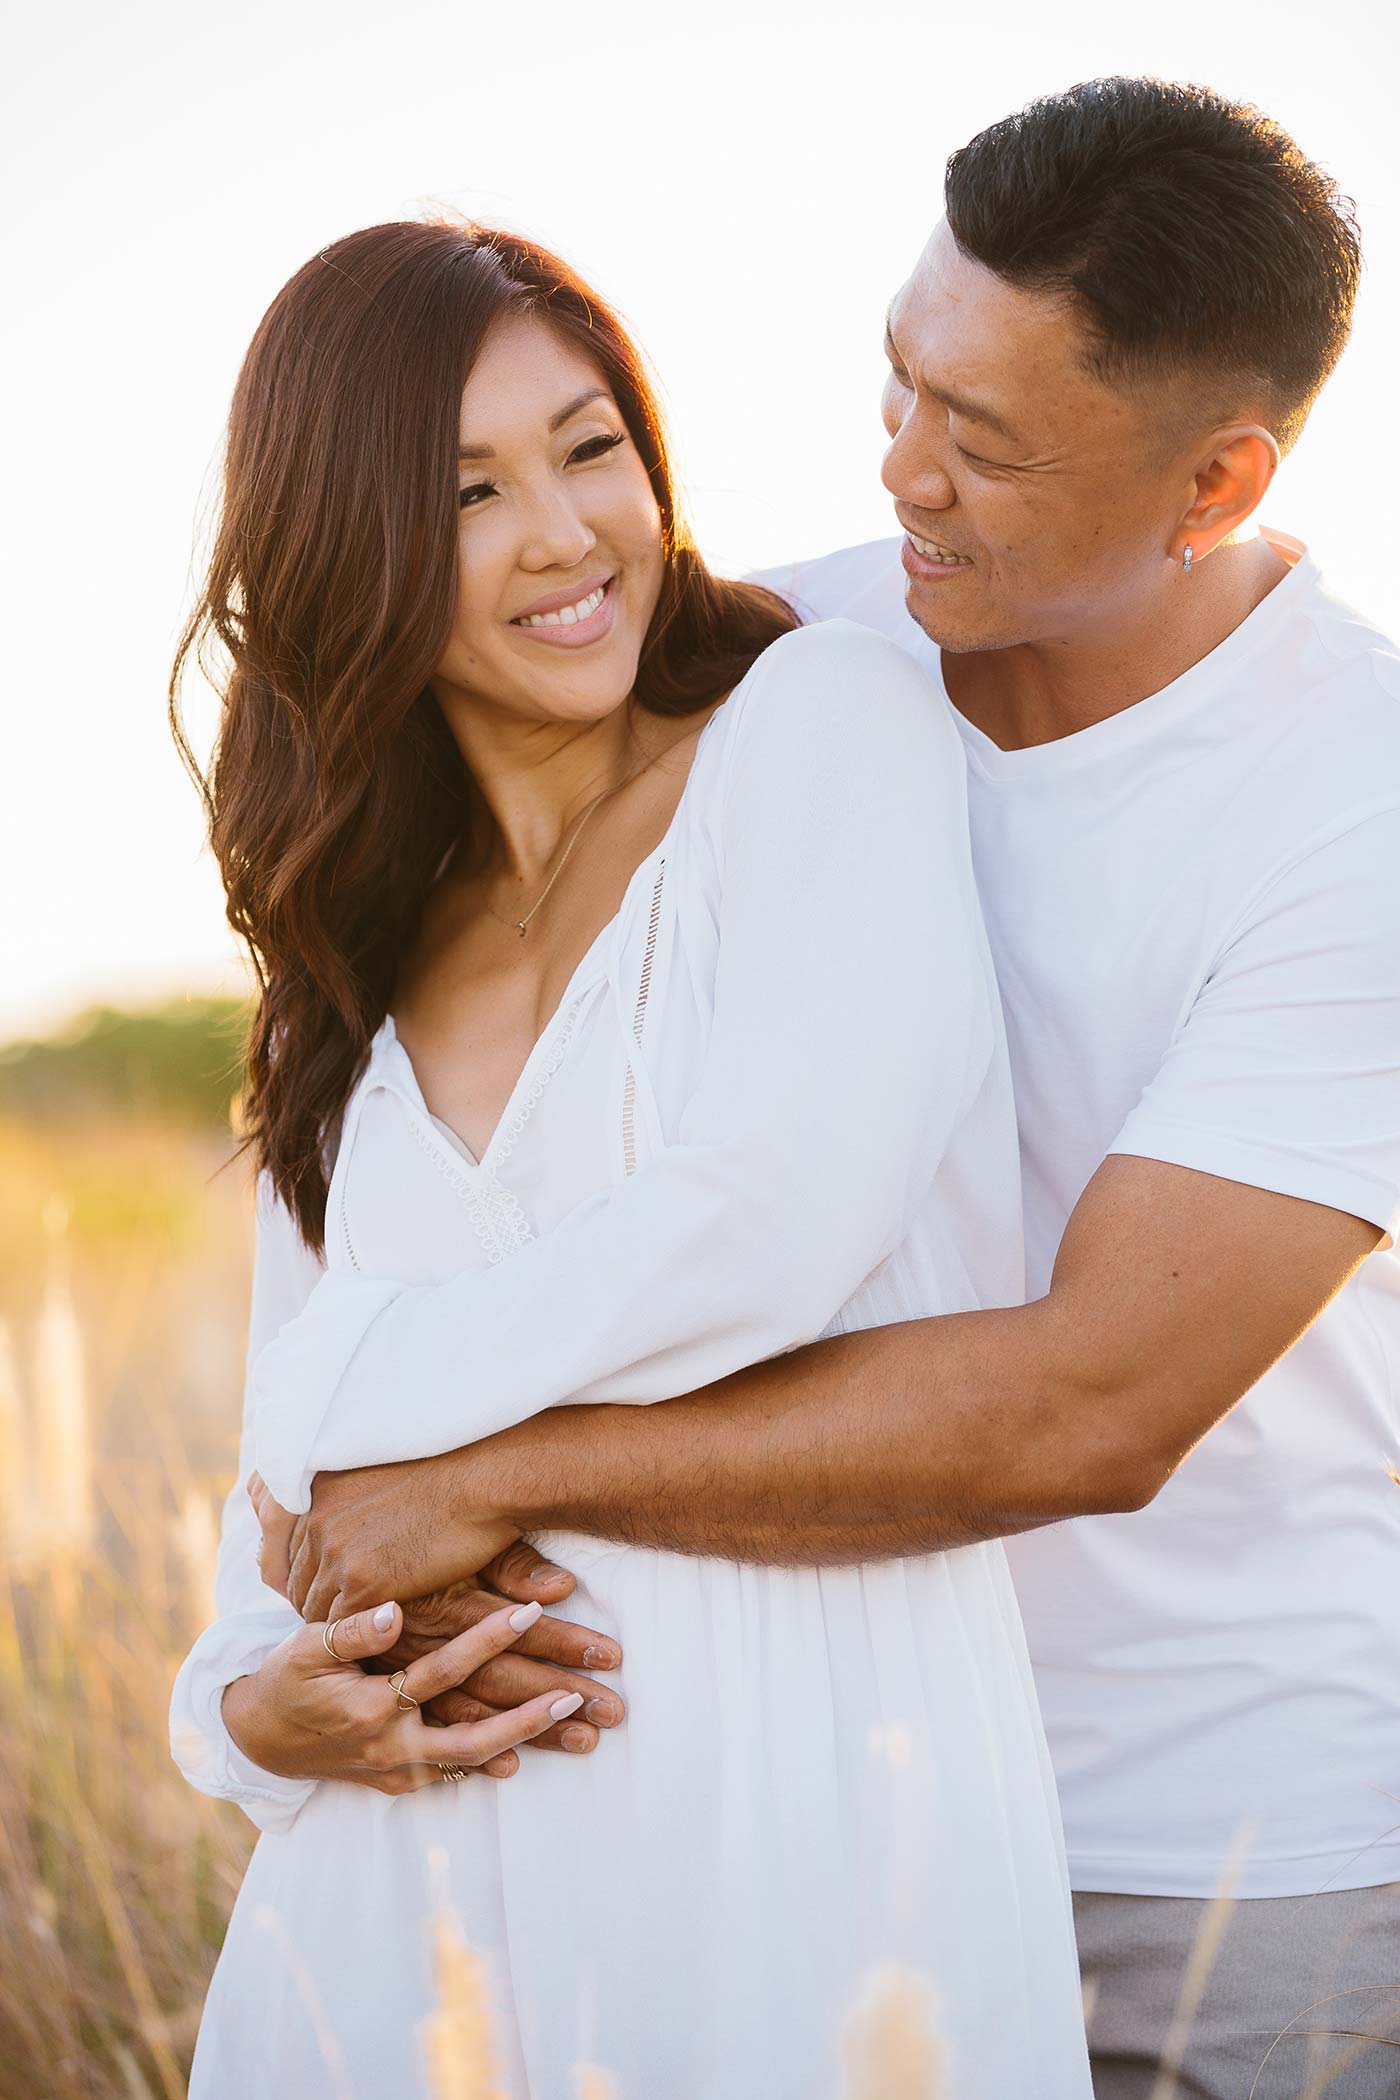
(913, 473)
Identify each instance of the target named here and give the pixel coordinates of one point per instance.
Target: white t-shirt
(1193, 912)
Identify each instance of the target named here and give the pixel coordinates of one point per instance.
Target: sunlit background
(748, 180)
(749, 183)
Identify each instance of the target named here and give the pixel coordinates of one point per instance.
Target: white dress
(772, 1104)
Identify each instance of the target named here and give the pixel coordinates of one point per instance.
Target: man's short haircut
(1194, 238)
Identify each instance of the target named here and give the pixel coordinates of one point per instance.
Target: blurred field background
(124, 1258)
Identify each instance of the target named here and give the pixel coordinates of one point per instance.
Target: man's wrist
(528, 1475)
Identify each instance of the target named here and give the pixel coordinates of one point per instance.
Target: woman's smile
(571, 620)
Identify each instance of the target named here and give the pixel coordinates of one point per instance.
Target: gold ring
(452, 1771)
(328, 1638)
(405, 1699)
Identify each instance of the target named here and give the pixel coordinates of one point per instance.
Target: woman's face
(560, 540)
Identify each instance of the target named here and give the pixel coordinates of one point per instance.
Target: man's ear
(1231, 478)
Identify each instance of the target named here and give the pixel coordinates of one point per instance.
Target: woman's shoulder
(838, 691)
(838, 644)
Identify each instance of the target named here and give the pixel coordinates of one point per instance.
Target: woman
(619, 947)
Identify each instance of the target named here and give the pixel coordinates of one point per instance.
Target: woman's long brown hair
(335, 788)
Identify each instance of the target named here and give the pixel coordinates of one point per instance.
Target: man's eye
(474, 493)
(974, 459)
(598, 447)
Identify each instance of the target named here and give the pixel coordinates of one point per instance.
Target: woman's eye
(476, 492)
(599, 447)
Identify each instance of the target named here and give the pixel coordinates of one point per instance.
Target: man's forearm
(1173, 1292)
(896, 1440)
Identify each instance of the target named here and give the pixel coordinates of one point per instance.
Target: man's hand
(384, 1531)
(519, 1575)
(533, 1664)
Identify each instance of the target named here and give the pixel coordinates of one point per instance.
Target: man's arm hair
(1173, 1292)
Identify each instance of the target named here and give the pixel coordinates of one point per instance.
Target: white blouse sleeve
(252, 1619)
(854, 1018)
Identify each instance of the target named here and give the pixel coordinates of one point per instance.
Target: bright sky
(749, 181)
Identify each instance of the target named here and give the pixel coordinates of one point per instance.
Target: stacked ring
(328, 1638)
(406, 1699)
(452, 1771)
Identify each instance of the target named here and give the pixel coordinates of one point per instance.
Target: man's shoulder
(863, 583)
(1327, 714)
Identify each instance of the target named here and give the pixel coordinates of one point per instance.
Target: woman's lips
(557, 631)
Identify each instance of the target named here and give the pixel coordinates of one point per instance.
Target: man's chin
(945, 631)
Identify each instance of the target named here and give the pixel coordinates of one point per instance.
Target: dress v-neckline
(510, 1114)
(442, 1131)
(458, 1144)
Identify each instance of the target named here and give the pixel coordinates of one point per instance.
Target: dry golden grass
(123, 1302)
(123, 1288)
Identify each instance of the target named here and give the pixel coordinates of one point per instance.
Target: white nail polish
(569, 1704)
(526, 1616)
(384, 1618)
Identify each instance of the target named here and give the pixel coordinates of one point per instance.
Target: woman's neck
(536, 779)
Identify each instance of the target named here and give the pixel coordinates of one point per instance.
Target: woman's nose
(558, 536)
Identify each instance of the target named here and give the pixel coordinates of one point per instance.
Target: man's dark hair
(1190, 232)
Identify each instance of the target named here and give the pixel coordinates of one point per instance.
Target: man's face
(1038, 501)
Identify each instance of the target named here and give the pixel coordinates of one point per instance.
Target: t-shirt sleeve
(1285, 1073)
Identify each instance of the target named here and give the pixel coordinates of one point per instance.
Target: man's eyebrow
(557, 422)
(961, 404)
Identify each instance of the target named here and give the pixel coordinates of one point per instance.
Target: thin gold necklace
(521, 925)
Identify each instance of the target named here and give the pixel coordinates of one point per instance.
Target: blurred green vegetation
(180, 1061)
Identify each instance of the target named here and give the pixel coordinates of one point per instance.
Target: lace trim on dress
(497, 1217)
(629, 1084)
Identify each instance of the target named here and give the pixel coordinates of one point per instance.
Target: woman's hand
(308, 1714)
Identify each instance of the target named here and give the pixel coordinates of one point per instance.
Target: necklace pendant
(520, 928)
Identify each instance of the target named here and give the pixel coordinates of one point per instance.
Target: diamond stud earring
(1186, 560)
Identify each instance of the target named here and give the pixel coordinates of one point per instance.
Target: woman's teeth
(569, 615)
(931, 551)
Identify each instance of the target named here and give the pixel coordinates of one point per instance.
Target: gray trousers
(1275, 1998)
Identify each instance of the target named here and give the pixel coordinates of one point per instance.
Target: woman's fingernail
(383, 1618)
(526, 1616)
(569, 1704)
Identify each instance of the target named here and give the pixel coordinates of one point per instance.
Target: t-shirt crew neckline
(1164, 709)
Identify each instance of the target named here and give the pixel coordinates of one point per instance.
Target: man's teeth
(931, 551)
(569, 615)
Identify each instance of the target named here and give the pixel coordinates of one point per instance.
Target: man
(1185, 780)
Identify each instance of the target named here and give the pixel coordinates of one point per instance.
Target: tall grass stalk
(892, 2045)
(457, 2041)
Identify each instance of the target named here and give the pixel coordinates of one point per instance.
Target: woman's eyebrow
(556, 422)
